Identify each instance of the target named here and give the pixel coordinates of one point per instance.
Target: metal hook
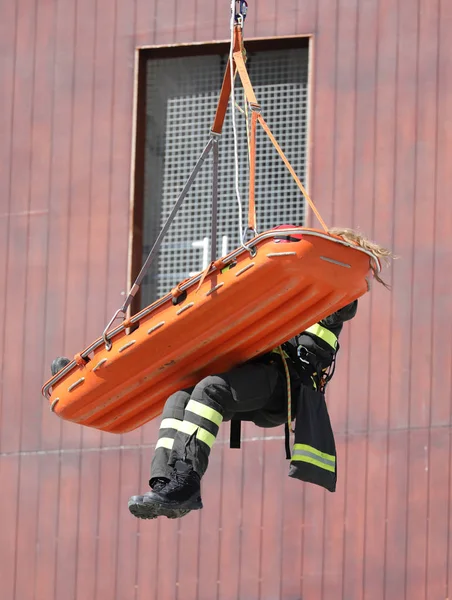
(107, 342)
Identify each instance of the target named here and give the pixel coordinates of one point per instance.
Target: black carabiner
(240, 11)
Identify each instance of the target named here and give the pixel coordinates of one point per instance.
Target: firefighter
(289, 380)
(254, 391)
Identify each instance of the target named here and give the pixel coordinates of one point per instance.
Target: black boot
(183, 490)
(145, 507)
(140, 507)
(58, 364)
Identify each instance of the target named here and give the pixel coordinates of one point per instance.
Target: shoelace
(159, 484)
(177, 480)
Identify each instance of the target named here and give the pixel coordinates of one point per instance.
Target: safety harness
(313, 355)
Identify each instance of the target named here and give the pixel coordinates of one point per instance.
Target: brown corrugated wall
(381, 156)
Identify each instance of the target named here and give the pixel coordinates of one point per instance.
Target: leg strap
(235, 434)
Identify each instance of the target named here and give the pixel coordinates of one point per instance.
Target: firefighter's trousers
(254, 391)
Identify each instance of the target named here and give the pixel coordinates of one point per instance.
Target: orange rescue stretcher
(251, 301)
(245, 304)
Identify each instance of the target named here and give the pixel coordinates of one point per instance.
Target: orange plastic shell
(266, 296)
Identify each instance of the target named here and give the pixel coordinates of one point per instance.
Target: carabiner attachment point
(107, 342)
(241, 8)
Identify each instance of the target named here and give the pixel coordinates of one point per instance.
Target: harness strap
(287, 441)
(235, 433)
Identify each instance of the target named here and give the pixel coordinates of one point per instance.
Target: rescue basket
(248, 303)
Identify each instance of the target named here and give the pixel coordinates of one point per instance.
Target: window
(180, 99)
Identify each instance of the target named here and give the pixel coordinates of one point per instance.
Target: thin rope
(289, 388)
(236, 152)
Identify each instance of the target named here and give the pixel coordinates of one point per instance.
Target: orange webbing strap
(223, 100)
(251, 98)
(251, 201)
(204, 275)
(245, 78)
(291, 171)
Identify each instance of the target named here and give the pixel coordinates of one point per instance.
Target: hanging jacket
(313, 456)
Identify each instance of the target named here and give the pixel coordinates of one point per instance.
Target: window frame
(144, 54)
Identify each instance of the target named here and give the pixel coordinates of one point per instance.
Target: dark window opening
(177, 95)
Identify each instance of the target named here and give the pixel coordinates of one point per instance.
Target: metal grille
(181, 99)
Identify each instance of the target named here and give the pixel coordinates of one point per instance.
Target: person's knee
(215, 391)
(175, 405)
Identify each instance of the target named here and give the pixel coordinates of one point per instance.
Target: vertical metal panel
(119, 165)
(185, 20)
(287, 22)
(89, 501)
(8, 24)
(399, 416)
(165, 18)
(249, 550)
(352, 364)
(437, 561)
(307, 18)
(271, 534)
(45, 547)
(127, 550)
(380, 160)
(35, 322)
(188, 548)
(100, 193)
(67, 516)
(109, 508)
(230, 525)
(61, 85)
(80, 154)
(204, 21)
(266, 17)
(26, 524)
(323, 108)
(422, 278)
(9, 474)
(219, 29)
(439, 564)
(380, 465)
(18, 218)
(211, 528)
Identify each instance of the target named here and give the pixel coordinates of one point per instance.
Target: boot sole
(151, 510)
(191, 504)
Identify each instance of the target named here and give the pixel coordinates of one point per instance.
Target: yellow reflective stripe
(312, 450)
(314, 461)
(165, 442)
(201, 433)
(323, 333)
(188, 428)
(205, 436)
(204, 411)
(170, 424)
